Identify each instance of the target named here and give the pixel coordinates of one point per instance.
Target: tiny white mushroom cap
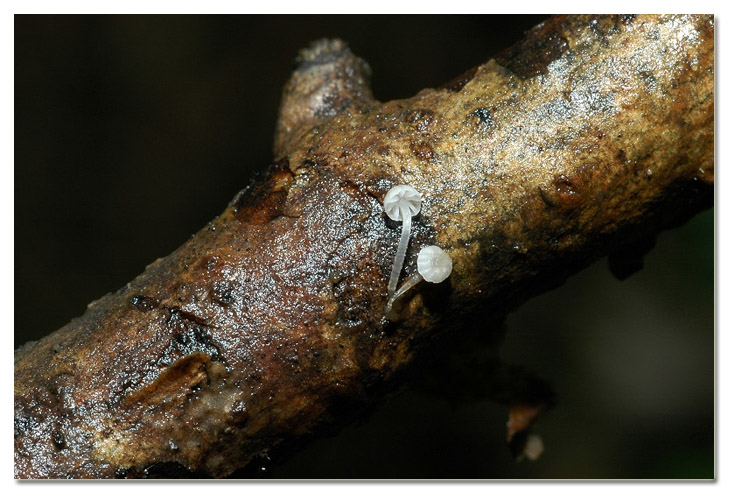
(534, 447)
(434, 264)
(402, 201)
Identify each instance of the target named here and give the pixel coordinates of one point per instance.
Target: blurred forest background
(131, 132)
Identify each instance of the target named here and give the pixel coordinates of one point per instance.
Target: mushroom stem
(400, 255)
(407, 285)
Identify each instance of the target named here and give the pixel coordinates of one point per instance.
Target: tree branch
(267, 327)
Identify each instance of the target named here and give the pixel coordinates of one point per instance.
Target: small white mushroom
(401, 204)
(533, 447)
(433, 264)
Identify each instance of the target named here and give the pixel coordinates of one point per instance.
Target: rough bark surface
(583, 140)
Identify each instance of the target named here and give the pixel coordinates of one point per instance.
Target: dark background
(131, 132)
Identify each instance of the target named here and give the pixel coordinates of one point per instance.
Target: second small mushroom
(433, 264)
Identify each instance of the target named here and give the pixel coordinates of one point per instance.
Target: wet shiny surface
(270, 320)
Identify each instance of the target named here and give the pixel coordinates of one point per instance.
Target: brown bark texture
(267, 327)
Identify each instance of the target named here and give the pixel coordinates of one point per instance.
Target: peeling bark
(584, 140)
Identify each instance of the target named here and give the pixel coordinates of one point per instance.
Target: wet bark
(267, 327)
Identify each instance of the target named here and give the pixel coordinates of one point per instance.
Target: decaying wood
(585, 139)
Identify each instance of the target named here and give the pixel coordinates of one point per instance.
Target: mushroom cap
(402, 201)
(434, 264)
